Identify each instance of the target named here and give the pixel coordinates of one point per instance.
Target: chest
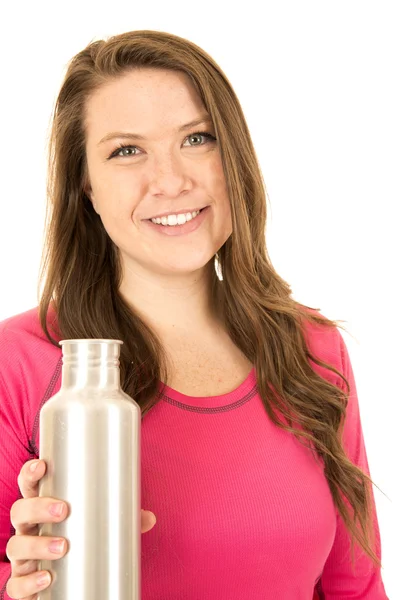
(243, 510)
(206, 367)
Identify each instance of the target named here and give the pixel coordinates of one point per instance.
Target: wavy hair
(82, 272)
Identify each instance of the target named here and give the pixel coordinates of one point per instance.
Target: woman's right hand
(26, 547)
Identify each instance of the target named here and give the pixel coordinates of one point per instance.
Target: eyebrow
(137, 136)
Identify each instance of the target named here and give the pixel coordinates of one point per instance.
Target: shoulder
(22, 339)
(326, 343)
(30, 367)
(24, 325)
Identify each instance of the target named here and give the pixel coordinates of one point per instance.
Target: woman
(253, 457)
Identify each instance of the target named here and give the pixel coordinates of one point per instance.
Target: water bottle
(90, 440)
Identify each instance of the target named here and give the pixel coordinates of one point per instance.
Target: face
(163, 169)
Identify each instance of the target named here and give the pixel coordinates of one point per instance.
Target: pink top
(243, 509)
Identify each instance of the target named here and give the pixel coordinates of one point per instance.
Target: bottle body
(90, 441)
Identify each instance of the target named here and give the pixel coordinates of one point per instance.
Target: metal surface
(90, 440)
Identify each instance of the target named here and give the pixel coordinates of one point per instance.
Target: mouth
(183, 211)
(190, 226)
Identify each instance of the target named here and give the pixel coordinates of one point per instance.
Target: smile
(173, 220)
(172, 227)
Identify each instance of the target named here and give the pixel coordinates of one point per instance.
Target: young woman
(253, 456)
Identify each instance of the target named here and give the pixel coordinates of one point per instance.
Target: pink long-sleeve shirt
(243, 509)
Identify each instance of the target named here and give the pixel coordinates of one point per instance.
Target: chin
(183, 267)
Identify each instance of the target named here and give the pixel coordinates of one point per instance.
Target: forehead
(143, 99)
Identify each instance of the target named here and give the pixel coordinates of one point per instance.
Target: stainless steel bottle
(90, 440)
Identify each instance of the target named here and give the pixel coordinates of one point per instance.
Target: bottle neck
(90, 376)
(92, 364)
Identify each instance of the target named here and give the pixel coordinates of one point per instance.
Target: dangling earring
(217, 266)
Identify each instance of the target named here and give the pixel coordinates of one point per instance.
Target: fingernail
(56, 546)
(43, 579)
(56, 509)
(33, 466)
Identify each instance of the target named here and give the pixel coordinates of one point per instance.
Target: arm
(338, 580)
(14, 453)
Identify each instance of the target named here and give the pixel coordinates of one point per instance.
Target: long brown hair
(82, 272)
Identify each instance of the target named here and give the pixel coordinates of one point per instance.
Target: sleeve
(14, 452)
(339, 581)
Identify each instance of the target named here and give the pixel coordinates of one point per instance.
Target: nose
(168, 175)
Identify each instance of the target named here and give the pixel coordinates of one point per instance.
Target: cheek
(115, 198)
(217, 182)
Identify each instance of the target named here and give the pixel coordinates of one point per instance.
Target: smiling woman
(253, 456)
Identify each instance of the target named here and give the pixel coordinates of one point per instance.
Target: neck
(172, 306)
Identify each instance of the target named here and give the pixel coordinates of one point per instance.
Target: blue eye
(122, 147)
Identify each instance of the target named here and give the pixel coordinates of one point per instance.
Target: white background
(319, 85)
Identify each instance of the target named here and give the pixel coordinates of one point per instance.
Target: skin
(166, 279)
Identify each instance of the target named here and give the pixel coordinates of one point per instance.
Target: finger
(28, 480)
(148, 520)
(23, 567)
(27, 513)
(33, 547)
(24, 588)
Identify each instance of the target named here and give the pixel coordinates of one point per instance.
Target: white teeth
(175, 219)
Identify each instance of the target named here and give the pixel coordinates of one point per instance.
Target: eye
(123, 150)
(126, 149)
(204, 134)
